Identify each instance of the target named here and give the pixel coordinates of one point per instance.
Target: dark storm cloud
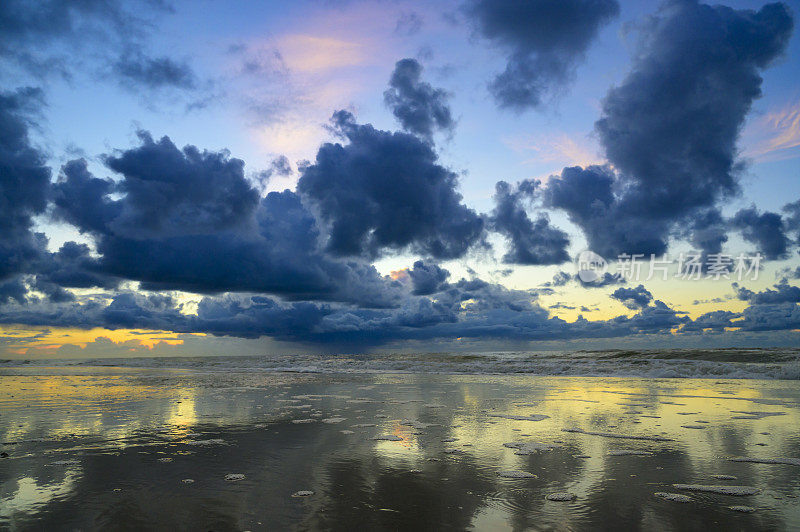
(670, 128)
(633, 298)
(384, 191)
(772, 317)
(765, 230)
(82, 200)
(544, 41)
(188, 219)
(783, 293)
(717, 320)
(418, 107)
(138, 70)
(588, 197)
(172, 192)
(13, 290)
(792, 220)
(427, 279)
(73, 266)
(24, 184)
(708, 231)
(531, 243)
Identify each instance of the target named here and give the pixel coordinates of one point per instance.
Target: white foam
(779, 460)
(629, 452)
(562, 497)
(347, 432)
(233, 477)
(674, 497)
(188, 481)
(723, 477)
(388, 437)
(738, 491)
(419, 425)
(755, 415)
(332, 420)
(743, 509)
(529, 447)
(620, 436)
(303, 493)
(212, 441)
(165, 460)
(532, 417)
(301, 421)
(515, 473)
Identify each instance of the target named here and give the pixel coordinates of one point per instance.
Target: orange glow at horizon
(50, 339)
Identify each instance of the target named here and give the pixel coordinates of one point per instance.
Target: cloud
(313, 54)
(588, 196)
(385, 191)
(717, 320)
(783, 293)
(418, 107)
(792, 220)
(138, 70)
(544, 40)
(427, 279)
(772, 317)
(765, 230)
(408, 23)
(775, 135)
(188, 220)
(670, 128)
(24, 183)
(46, 37)
(470, 309)
(633, 298)
(533, 243)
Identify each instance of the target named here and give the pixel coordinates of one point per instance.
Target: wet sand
(130, 448)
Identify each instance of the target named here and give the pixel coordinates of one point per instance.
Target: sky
(223, 178)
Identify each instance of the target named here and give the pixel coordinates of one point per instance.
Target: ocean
(671, 440)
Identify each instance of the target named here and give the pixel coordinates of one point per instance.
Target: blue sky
(261, 82)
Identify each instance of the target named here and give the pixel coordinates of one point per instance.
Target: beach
(142, 444)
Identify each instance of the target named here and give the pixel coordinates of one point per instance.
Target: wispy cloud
(312, 54)
(560, 149)
(775, 135)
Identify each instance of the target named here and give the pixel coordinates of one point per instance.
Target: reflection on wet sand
(115, 448)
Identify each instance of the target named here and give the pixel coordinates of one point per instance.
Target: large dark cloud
(418, 107)
(766, 230)
(427, 279)
(385, 191)
(792, 220)
(633, 298)
(470, 309)
(670, 128)
(189, 220)
(544, 40)
(529, 242)
(172, 192)
(24, 184)
(783, 293)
